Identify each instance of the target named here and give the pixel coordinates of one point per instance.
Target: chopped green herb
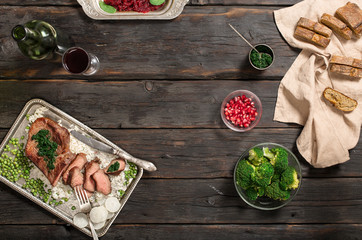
(260, 61)
(47, 148)
(114, 167)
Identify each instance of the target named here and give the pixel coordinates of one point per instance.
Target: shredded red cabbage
(143, 6)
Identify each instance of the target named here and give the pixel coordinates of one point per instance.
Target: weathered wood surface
(158, 96)
(191, 2)
(211, 201)
(139, 104)
(197, 45)
(211, 153)
(179, 232)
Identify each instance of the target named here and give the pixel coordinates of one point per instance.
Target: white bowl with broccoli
(267, 176)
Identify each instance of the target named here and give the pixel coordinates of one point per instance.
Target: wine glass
(78, 61)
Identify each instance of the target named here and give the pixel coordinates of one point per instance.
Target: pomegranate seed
(241, 111)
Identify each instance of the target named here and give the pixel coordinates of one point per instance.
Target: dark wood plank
(211, 201)
(185, 153)
(176, 232)
(244, 2)
(144, 104)
(191, 2)
(197, 45)
(40, 3)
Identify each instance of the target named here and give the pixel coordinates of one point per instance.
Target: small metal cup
(263, 48)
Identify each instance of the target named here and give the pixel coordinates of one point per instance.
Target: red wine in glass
(76, 60)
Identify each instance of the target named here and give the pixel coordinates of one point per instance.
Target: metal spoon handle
(243, 38)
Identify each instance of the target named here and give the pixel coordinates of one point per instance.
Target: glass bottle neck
(21, 33)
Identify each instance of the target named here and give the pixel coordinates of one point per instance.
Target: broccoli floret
(267, 153)
(254, 192)
(276, 177)
(264, 174)
(274, 191)
(256, 156)
(245, 174)
(251, 193)
(280, 160)
(261, 191)
(289, 179)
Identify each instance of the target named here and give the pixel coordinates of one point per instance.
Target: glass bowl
(266, 203)
(257, 105)
(262, 48)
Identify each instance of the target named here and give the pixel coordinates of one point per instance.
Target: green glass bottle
(39, 40)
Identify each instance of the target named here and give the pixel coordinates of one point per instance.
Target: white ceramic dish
(171, 9)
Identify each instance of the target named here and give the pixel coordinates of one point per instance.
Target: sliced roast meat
(103, 184)
(63, 158)
(89, 194)
(75, 177)
(90, 169)
(79, 161)
(115, 167)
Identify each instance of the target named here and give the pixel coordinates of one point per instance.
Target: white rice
(61, 191)
(37, 114)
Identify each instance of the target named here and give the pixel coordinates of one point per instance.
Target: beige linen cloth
(328, 133)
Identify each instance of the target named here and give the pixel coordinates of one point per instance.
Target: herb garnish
(261, 60)
(46, 147)
(114, 167)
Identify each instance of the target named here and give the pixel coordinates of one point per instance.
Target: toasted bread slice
(349, 61)
(351, 14)
(337, 26)
(315, 27)
(339, 100)
(346, 70)
(311, 37)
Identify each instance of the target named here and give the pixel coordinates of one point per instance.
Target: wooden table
(158, 96)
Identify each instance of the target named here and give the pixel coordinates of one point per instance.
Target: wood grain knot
(149, 85)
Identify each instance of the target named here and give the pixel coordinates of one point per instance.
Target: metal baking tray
(170, 10)
(18, 129)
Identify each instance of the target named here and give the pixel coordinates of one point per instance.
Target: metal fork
(85, 206)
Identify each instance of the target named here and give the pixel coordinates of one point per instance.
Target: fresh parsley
(47, 148)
